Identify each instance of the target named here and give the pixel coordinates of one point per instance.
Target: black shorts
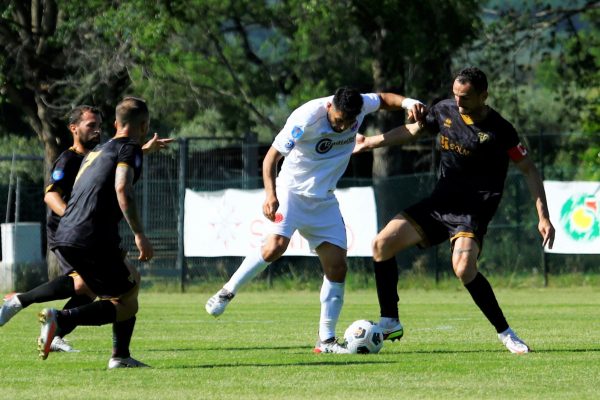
(65, 268)
(103, 271)
(437, 220)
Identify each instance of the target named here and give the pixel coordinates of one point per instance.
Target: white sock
(252, 265)
(332, 299)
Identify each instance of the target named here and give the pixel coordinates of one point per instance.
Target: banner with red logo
(575, 213)
(230, 223)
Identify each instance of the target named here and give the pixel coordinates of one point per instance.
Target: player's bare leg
(464, 263)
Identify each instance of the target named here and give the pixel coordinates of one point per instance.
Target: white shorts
(317, 220)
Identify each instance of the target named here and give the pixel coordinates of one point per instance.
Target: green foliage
(31, 171)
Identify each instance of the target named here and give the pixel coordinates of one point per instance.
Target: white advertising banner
(230, 223)
(575, 213)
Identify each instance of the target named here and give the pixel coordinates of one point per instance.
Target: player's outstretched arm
(125, 196)
(536, 188)
(397, 136)
(270, 162)
(156, 144)
(391, 101)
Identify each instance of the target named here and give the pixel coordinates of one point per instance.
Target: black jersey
(474, 155)
(93, 213)
(61, 181)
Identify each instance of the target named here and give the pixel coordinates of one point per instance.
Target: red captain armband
(517, 153)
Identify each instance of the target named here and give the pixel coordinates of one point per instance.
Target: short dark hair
(132, 111)
(475, 77)
(348, 100)
(75, 115)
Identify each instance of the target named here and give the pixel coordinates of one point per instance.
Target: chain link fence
(512, 244)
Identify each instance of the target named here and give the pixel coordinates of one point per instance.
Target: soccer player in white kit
(317, 142)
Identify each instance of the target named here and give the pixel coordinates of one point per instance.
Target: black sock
(386, 278)
(122, 332)
(74, 302)
(97, 313)
(61, 287)
(483, 295)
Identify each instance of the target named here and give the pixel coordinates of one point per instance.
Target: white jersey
(316, 156)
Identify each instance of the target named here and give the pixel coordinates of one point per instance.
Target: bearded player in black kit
(87, 238)
(476, 144)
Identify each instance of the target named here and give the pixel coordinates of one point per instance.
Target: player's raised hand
(156, 144)
(547, 231)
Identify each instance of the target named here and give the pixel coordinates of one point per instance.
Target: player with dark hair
(87, 239)
(84, 123)
(476, 144)
(317, 142)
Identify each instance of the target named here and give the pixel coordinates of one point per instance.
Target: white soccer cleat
(392, 328)
(216, 305)
(48, 319)
(330, 346)
(513, 343)
(129, 362)
(10, 308)
(62, 345)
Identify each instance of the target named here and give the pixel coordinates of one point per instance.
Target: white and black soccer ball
(364, 337)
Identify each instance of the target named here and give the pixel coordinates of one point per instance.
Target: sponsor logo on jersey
(324, 145)
(58, 174)
(522, 149)
(290, 144)
(483, 137)
(297, 131)
(446, 144)
(448, 123)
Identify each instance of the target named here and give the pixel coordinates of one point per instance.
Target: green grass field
(261, 349)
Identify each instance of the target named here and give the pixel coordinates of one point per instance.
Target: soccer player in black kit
(476, 144)
(87, 238)
(84, 122)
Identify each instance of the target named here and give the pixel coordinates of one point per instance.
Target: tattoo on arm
(126, 198)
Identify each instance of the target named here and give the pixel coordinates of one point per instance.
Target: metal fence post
(182, 183)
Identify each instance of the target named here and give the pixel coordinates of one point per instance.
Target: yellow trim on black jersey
(50, 188)
(468, 120)
(123, 164)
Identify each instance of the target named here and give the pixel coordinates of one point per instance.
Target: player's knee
(465, 271)
(127, 309)
(273, 250)
(380, 249)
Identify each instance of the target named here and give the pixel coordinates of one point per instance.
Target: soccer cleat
(62, 345)
(330, 345)
(392, 329)
(48, 319)
(513, 343)
(10, 308)
(129, 362)
(215, 306)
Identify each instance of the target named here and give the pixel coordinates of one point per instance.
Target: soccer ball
(364, 337)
